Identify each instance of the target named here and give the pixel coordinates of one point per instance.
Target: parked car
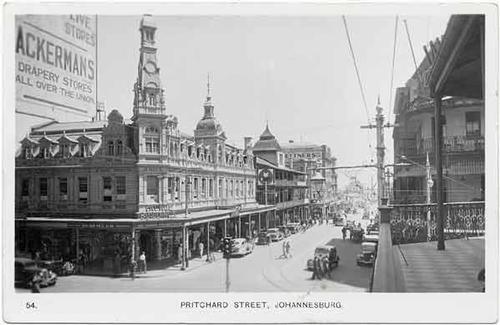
(371, 238)
(368, 253)
(55, 266)
(372, 228)
(293, 227)
(321, 252)
(27, 272)
(263, 238)
(339, 222)
(274, 234)
(241, 246)
(285, 231)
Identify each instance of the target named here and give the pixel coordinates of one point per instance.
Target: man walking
(200, 248)
(142, 262)
(317, 272)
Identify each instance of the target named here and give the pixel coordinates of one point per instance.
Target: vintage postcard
(250, 162)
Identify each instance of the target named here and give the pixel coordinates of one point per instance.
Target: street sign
(265, 176)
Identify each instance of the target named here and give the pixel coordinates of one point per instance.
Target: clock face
(150, 67)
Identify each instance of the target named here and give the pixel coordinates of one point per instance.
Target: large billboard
(56, 65)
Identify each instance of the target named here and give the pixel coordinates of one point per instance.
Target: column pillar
(439, 172)
(239, 227)
(266, 216)
(249, 226)
(183, 250)
(260, 223)
(77, 235)
(208, 240)
(225, 228)
(157, 245)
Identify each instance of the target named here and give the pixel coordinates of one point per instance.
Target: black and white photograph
(250, 162)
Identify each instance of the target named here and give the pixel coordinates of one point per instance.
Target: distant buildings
(308, 156)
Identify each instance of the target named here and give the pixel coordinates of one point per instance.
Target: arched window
(119, 147)
(111, 148)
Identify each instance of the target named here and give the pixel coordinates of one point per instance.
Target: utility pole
(379, 125)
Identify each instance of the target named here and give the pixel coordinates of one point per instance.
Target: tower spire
(208, 85)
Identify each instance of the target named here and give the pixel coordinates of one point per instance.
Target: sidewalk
(158, 268)
(425, 269)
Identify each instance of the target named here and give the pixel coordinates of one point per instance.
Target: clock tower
(148, 94)
(149, 112)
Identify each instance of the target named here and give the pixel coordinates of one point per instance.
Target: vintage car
(370, 238)
(55, 266)
(241, 246)
(356, 234)
(275, 234)
(372, 229)
(339, 222)
(322, 251)
(368, 253)
(293, 227)
(27, 272)
(263, 238)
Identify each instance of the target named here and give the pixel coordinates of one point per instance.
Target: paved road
(262, 271)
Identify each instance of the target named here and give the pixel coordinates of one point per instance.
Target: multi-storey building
(278, 184)
(105, 190)
(463, 141)
(306, 157)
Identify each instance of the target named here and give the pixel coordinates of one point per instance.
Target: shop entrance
(146, 244)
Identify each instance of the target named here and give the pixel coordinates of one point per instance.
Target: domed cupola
(208, 125)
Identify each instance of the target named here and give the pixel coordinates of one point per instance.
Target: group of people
(323, 267)
(286, 248)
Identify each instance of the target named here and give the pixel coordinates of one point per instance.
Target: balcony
(455, 144)
(410, 223)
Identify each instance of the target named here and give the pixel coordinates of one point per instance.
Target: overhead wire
(393, 59)
(359, 80)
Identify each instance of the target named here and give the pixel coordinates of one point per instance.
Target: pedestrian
(284, 249)
(179, 253)
(331, 260)
(344, 231)
(288, 247)
(200, 248)
(323, 262)
(481, 278)
(142, 262)
(316, 269)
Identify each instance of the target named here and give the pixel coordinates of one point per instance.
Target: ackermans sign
(56, 62)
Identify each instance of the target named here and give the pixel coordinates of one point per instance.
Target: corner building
(102, 191)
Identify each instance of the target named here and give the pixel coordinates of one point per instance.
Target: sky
(297, 73)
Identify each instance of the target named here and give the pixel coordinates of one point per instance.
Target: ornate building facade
(277, 184)
(463, 141)
(105, 190)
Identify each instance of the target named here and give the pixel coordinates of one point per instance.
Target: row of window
(198, 188)
(111, 186)
(64, 150)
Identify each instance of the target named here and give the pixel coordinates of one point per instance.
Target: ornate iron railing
(417, 222)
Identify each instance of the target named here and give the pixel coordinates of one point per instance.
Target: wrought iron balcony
(452, 144)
